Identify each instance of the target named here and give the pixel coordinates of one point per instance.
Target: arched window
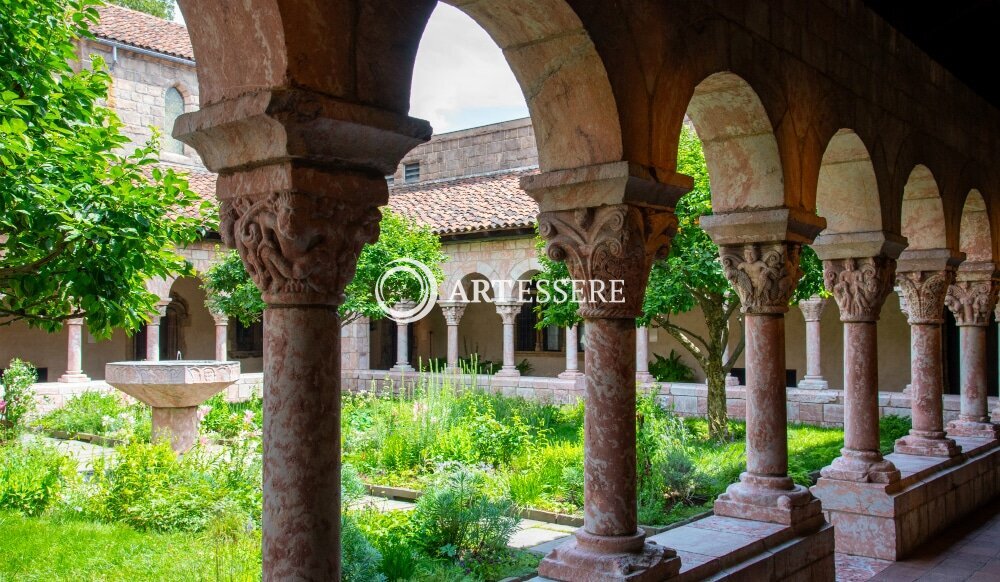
(173, 106)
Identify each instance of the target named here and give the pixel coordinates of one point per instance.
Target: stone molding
(301, 249)
(971, 302)
(812, 308)
(609, 243)
(924, 293)
(859, 285)
(452, 311)
(763, 274)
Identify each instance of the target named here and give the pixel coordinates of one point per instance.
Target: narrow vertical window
(411, 172)
(173, 106)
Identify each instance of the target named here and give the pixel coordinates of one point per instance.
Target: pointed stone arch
(974, 234)
(847, 192)
(923, 220)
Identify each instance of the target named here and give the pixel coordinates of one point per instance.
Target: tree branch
(682, 336)
(8, 272)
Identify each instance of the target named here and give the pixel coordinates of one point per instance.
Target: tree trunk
(718, 425)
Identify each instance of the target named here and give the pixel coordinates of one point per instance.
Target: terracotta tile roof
(480, 203)
(143, 30)
(202, 182)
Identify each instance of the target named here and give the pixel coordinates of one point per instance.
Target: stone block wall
(468, 152)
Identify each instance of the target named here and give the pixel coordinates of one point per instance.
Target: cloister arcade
(822, 126)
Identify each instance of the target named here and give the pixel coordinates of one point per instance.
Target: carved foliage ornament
(971, 301)
(763, 274)
(812, 308)
(859, 285)
(299, 248)
(508, 312)
(609, 247)
(452, 313)
(924, 293)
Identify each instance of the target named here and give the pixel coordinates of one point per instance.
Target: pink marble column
(508, 310)
(74, 352)
(812, 311)
(403, 341)
(221, 336)
(609, 243)
(452, 311)
(924, 292)
(572, 354)
(860, 286)
(642, 374)
(153, 332)
(971, 299)
(764, 275)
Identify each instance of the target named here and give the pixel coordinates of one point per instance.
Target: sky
(460, 79)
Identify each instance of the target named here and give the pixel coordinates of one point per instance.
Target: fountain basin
(174, 389)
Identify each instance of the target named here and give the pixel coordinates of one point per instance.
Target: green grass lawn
(41, 549)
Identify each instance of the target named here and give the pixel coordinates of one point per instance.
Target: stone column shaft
(971, 299)
(608, 244)
(153, 333)
(572, 354)
(925, 291)
(452, 311)
(508, 313)
(812, 310)
(860, 286)
(221, 337)
(403, 341)
(74, 352)
(642, 355)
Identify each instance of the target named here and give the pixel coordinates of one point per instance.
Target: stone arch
(463, 276)
(251, 46)
(974, 234)
(741, 151)
(923, 221)
(524, 269)
(847, 192)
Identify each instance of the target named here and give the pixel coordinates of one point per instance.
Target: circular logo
(408, 311)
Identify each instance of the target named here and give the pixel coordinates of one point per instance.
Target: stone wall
(479, 150)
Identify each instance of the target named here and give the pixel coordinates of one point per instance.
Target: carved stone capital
(812, 308)
(923, 293)
(508, 311)
(971, 302)
(612, 249)
(859, 285)
(452, 311)
(220, 318)
(300, 230)
(763, 274)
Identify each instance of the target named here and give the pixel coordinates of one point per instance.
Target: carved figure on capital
(763, 274)
(971, 301)
(859, 285)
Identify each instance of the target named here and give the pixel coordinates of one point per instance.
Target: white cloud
(461, 78)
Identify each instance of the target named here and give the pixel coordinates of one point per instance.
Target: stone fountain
(174, 388)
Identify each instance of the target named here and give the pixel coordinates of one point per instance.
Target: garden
(476, 460)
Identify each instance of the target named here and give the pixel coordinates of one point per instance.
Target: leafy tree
(159, 8)
(231, 291)
(691, 276)
(82, 225)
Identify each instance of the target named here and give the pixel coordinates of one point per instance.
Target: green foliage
(454, 518)
(51, 549)
(811, 282)
(231, 419)
(670, 369)
(148, 487)
(17, 397)
(160, 8)
(32, 476)
(551, 308)
(231, 291)
(101, 414)
(360, 559)
(891, 428)
(85, 218)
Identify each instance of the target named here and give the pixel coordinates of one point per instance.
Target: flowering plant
(17, 398)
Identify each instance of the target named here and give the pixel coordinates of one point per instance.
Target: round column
(153, 333)
(403, 342)
(642, 374)
(452, 311)
(572, 354)
(508, 311)
(74, 352)
(812, 311)
(221, 336)
(971, 299)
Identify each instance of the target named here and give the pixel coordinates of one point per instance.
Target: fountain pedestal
(174, 389)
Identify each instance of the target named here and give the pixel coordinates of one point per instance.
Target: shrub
(671, 368)
(17, 397)
(101, 414)
(455, 519)
(891, 428)
(231, 419)
(391, 534)
(360, 560)
(32, 476)
(352, 488)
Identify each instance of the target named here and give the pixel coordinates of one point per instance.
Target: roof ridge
(140, 13)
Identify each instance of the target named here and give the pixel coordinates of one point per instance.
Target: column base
(980, 429)
(732, 381)
(570, 374)
(752, 499)
(402, 368)
(929, 445)
(506, 372)
(644, 377)
(861, 467)
(69, 377)
(813, 383)
(590, 558)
